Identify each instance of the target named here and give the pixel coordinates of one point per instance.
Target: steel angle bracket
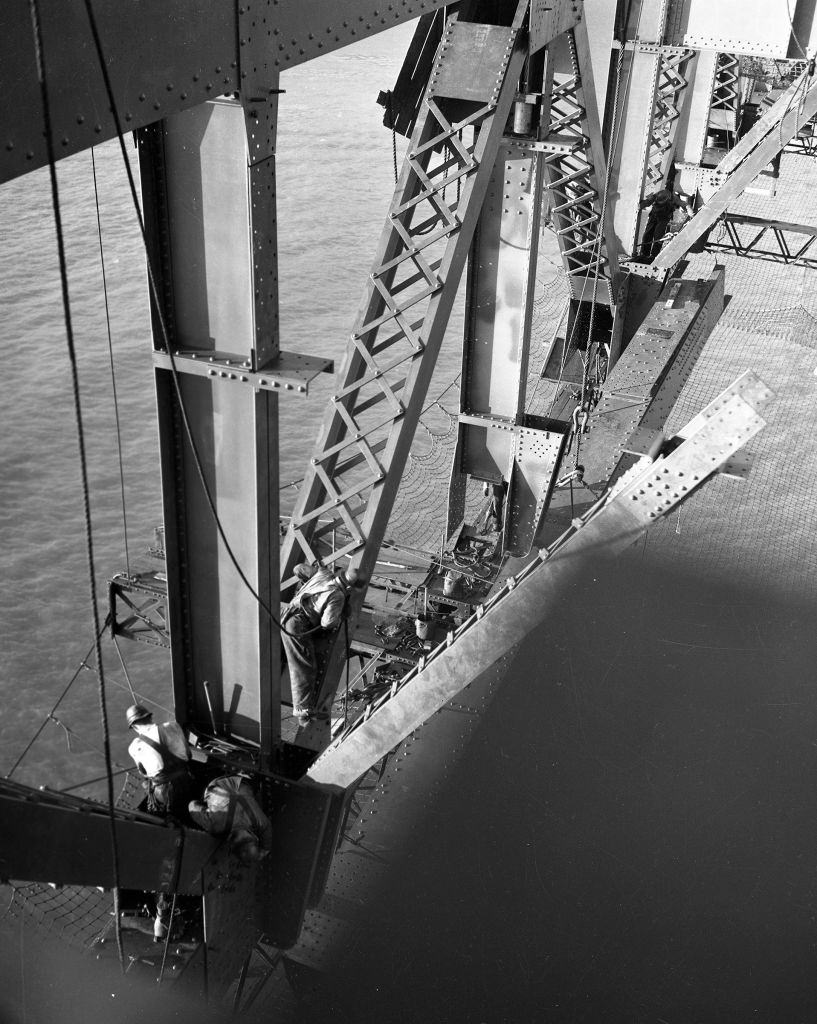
(537, 457)
(650, 490)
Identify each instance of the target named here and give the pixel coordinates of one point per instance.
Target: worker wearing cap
(662, 206)
(230, 808)
(317, 610)
(162, 755)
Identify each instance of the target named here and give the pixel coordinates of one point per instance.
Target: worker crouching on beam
(316, 611)
(230, 808)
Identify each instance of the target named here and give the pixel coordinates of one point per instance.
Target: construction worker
(230, 808)
(662, 207)
(162, 755)
(316, 611)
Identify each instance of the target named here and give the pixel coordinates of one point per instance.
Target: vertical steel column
(209, 192)
(652, 90)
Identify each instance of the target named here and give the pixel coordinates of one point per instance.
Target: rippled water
(335, 181)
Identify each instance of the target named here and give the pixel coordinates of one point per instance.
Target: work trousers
(300, 654)
(171, 794)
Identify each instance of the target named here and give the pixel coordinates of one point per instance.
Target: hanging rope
(393, 135)
(113, 373)
(89, 543)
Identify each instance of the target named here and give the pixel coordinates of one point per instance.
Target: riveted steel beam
(163, 56)
(66, 840)
(212, 245)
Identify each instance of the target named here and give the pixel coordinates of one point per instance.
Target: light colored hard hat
(137, 713)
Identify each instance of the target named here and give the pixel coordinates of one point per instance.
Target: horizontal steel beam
(163, 56)
(65, 840)
(288, 373)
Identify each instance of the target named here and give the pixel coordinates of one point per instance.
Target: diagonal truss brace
(740, 167)
(648, 492)
(360, 455)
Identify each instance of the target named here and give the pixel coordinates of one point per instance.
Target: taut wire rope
(89, 541)
(113, 372)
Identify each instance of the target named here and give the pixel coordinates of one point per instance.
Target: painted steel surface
(645, 383)
(647, 492)
(54, 837)
(213, 251)
(497, 333)
(163, 56)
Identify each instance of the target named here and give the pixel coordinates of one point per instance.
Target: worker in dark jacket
(162, 755)
(662, 206)
(317, 610)
(230, 808)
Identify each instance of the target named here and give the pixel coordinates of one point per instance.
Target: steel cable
(89, 541)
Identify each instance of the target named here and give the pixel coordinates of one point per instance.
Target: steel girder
(576, 171)
(66, 840)
(208, 180)
(649, 491)
(754, 27)
(739, 168)
(362, 449)
(163, 56)
(773, 240)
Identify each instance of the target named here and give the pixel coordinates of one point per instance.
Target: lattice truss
(769, 240)
(367, 431)
(574, 195)
(726, 88)
(671, 83)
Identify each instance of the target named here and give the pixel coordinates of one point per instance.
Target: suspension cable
(113, 373)
(89, 543)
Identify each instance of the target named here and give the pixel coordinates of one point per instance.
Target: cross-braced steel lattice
(575, 197)
(726, 93)
(776, 241)
(672, 81)
(138, 606)
(357, 464)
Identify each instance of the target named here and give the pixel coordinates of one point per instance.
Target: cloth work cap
(351, 577)
(137, 713)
